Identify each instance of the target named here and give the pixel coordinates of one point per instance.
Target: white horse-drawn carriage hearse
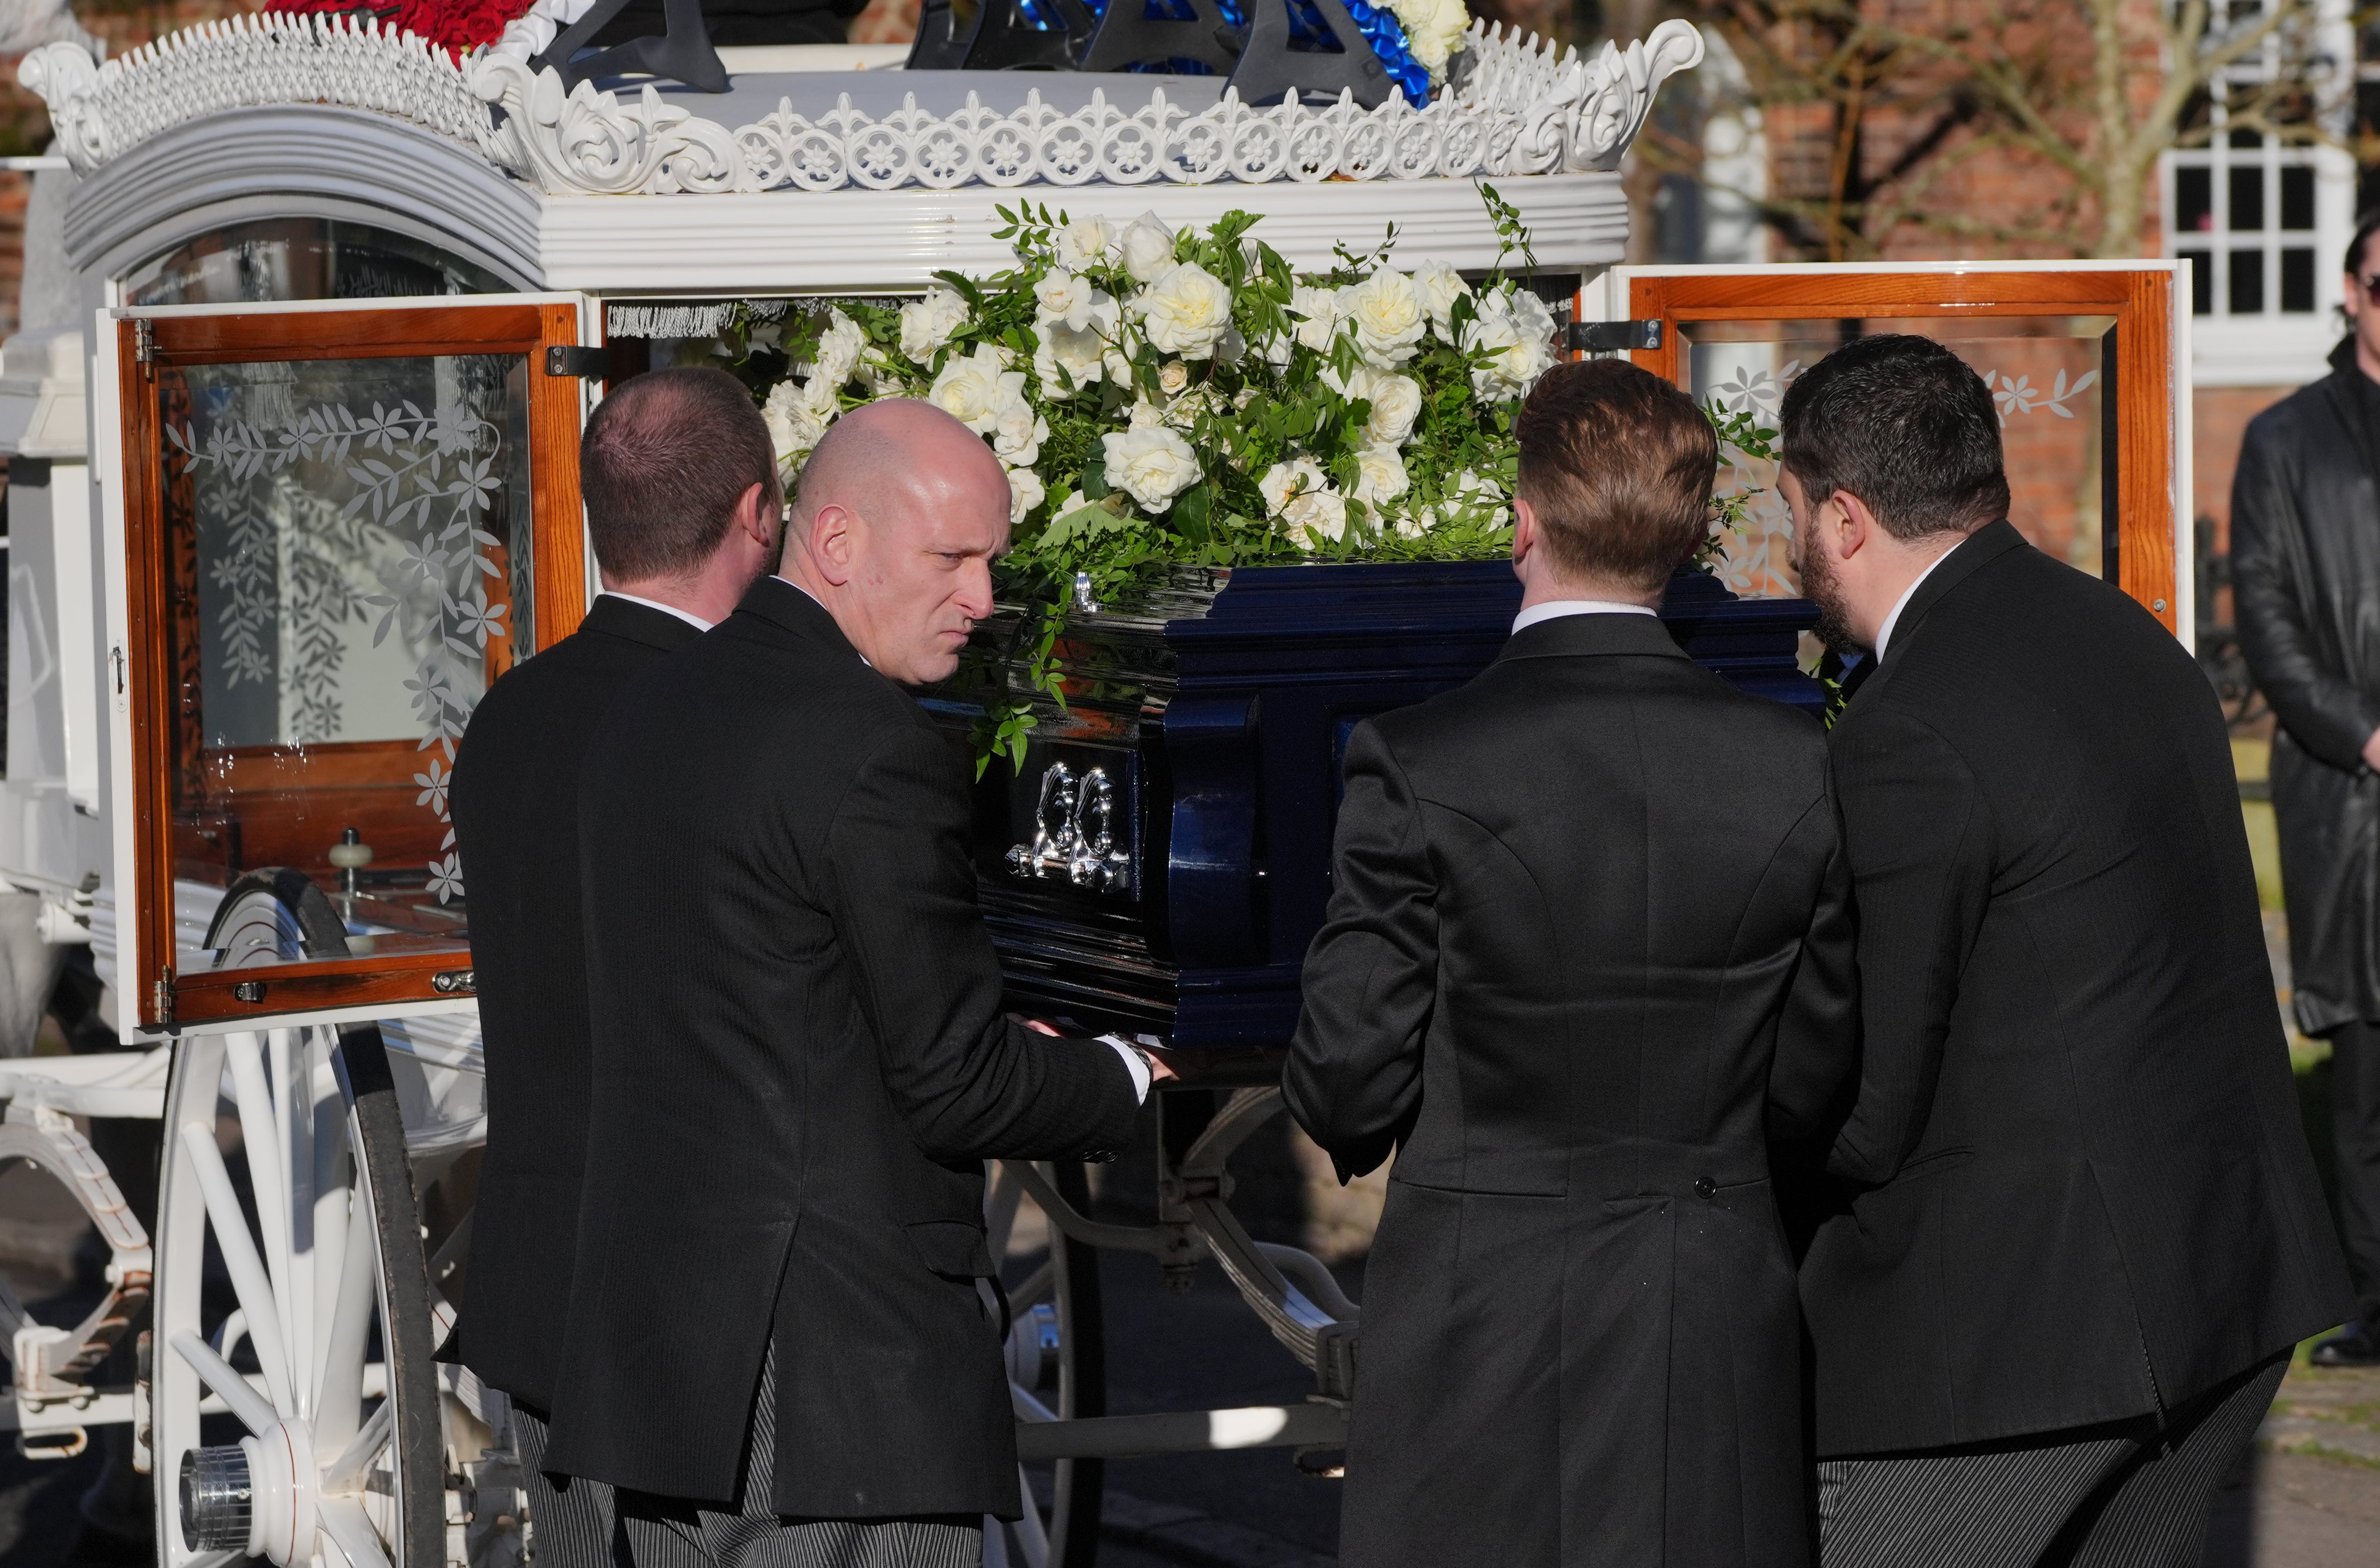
(313, 315)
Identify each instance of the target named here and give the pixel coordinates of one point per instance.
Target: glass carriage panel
(2082, 360)
(340, 526)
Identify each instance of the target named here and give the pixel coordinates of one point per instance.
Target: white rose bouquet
(1164, 396)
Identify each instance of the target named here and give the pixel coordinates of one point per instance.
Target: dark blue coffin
(1162, 861)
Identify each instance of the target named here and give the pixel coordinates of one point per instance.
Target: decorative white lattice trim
(1519, 109)
(100, 112)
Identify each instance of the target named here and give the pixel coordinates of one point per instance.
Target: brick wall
(25, 127)
(2220, 417)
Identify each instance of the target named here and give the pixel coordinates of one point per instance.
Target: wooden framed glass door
(2087, 360)
(337, 525)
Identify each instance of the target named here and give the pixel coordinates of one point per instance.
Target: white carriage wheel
(1057, 1359)
(332, 1456)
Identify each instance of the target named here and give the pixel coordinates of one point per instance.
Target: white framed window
(2264, 223)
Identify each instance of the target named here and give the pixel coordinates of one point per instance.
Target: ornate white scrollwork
(1519, 108)
(102, 111)
(1619, 92)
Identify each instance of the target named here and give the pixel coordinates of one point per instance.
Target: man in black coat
(2082, 1228)
(2305, 574)
(782, 1334)
(683, 505)
(1588, 945)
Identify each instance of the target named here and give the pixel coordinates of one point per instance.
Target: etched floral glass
(349, 562)
(2047, 379)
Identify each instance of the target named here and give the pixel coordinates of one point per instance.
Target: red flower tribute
(455, 25)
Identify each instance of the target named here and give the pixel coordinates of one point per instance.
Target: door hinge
(160, 998)
(566, 359)
(144, 345)
(1612, 337)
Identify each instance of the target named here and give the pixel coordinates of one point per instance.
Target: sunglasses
(2371, 287)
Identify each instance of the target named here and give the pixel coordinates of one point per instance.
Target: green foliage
(1732, 512)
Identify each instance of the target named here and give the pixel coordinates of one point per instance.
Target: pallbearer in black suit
(783, 1331)
(2084, 1231)
(1588, 950)
(683, 505)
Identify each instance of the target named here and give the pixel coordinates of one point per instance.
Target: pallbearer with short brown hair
(1588, 948)
(1616, 465)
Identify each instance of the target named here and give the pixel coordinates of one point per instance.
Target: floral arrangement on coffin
(1163, 396)
(1416, 39)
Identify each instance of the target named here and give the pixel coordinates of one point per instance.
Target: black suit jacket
(515, 805)
(800, 1064)
(1589, 931)
(2085, 1193)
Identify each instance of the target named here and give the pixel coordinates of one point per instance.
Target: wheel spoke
(1033, 1537)
(248, 1277)
(293, 1109)
(262, 1135)
(236, 1391)
(329, 1144)
(338, 1406)
(343, 1519)
(346, 1474)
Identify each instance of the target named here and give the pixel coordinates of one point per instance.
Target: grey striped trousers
(657, 1532)
(2130, 1495)
(569, 1525)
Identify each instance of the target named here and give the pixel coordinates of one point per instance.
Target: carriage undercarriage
(313, 1214)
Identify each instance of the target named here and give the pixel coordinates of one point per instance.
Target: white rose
(1440, 287)
(1434, 28)
(1379, 475)
(1081, 352)
(1186, 311)
(927, 323)
(1319, 306)
(1299, 493)
(976, 388)
(1017, 433)
(1412, 525)
(1025, 492)
(1085, 242)
(1183, 411)
(1395, 400)
(1172, 377)
(1283, 483)
(1151, 466)
(1515, 330)
(1061, 295)
(838, 350)
(795, 421)
(1388, 314)
(879, 376)
(1144, 415)
(1148, 248)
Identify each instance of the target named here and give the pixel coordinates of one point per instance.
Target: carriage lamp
(350, 855)
(218, 1497)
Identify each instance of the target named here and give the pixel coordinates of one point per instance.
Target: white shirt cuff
(1133, 1063)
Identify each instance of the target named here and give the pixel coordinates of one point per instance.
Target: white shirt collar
(695, 621)
(1884, 633)
(1553, 609)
